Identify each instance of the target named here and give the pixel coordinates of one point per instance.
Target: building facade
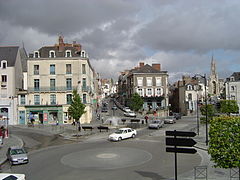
(12, 61)
(232, 88)
(53, 72)
(150, 83)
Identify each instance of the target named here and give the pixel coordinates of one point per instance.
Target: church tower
(213, 83)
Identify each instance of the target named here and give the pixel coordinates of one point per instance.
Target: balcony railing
(51, 89)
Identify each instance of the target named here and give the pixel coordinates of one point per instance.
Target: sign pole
(175, 159)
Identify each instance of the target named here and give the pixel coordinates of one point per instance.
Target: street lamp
(205, 84)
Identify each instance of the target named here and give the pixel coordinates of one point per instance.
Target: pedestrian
(57, 122)
(1, 135)
(146, 119)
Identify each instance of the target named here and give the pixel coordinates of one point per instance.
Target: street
(143, 157)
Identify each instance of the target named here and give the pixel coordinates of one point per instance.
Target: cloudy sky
(182, 35)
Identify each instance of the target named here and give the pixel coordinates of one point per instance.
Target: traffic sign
(181, 150)
(180, 141)
(181, 133)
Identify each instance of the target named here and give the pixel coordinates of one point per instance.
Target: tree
(136, 102)
(210, 110)
(229, 106)
(224, 144)
(77, 108)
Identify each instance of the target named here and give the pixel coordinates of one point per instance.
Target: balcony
(51, 89)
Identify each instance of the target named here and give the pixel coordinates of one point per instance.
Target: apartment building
(12, 64)
(150, 83)
(232, 88)
(53, 72)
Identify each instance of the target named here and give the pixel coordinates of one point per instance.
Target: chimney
(141, 64)
(157, 66)
(61, 44)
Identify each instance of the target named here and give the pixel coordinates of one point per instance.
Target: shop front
(44, 114)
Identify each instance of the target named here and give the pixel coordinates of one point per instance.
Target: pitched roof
(9, 53)
(236, 76)
(145, 69)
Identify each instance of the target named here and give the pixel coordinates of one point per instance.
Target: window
(69, 83)
(149, 81)
(52, 54)
(149, 92)
(140, 81)
(4, 78)
(36, 84)
(22, 99)
(69, 98)
(68, 53)
(189, 87)
(36, 70)
(158, 81)
(84, 84)
(84, 98)
(36, 99)
(233, 97)
(53, 99)
(36, 54)
(158, 91)
(140, 92)
(4, 64)
(84, 68)
(190, 97)
(52, 68)
(68, 69)
(232, 88)
(52, 84)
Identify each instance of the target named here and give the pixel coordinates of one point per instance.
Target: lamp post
(206, 109)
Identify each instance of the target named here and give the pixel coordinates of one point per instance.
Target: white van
(8, 176)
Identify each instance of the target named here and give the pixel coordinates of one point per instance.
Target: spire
(213, 67)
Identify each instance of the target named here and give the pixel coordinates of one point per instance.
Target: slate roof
(236, 76)
(44, 51)
(146, 69)
(9, 53)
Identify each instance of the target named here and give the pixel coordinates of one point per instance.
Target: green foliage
(76, 110)
(224, 144)
(210, 110)
(136, 102)
(229, 106)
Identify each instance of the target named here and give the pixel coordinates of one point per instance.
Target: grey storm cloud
(193, 25)
(65, 16)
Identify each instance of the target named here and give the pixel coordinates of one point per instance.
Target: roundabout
(106, 158)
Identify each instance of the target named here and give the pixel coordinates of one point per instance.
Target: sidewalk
(7, 142)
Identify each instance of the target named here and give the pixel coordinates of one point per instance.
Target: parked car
(169, 120)
(156, 124)
(17, 155)
(130, 114)
(114, 107)
(122, 133)
(126, 109)
(12, 176)
(104, 109)
(177, 115)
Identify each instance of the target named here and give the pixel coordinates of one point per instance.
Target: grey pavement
(70, 132)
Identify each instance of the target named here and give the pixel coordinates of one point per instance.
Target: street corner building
(52, 73)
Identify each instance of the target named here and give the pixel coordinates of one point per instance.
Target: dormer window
(36, 54)
(68, 53)
(4, 64)
(83, 53)
(52, 54)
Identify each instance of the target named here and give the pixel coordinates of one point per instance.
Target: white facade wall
(233, 91)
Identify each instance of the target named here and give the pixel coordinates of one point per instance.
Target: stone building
(12, 65)
(150, 82)
(52, 74)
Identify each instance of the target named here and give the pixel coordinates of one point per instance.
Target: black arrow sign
(181, 133)
(181, 150)
(180, 142)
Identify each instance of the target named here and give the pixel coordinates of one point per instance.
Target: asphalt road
(141, 158)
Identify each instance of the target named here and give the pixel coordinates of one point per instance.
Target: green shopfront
(50, 114)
